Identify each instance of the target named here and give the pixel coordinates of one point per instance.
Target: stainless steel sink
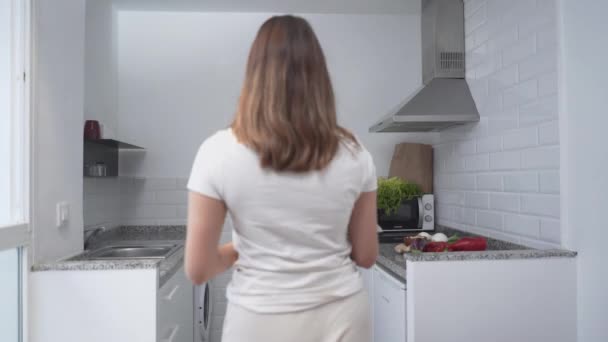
(133, 252)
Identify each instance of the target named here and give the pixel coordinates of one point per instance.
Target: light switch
(63, 214)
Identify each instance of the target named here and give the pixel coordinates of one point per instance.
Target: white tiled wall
(134, 201)
(500, 177)
(150, 201)
(101, 201)
(161, 201)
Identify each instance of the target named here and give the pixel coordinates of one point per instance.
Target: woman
(300, 191)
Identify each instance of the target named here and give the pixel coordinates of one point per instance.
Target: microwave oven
(413, 215)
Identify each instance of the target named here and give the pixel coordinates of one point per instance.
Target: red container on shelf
(92, 130)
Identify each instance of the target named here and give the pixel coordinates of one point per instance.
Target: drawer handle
(170, 295)
(386, 299)
(171, 334)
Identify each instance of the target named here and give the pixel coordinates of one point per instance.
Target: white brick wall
(135, 201)
(154, 201)
(101, 202)
(500, 177)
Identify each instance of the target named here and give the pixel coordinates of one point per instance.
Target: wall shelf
(121, 145)
(105, 151)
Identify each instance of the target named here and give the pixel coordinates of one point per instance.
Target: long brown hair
(287, 110)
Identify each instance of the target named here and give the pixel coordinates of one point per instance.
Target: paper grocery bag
(414, 163)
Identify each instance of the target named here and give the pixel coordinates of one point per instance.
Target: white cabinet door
(175, 321)
(389, 308)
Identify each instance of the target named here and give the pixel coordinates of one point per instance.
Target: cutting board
(414, 163)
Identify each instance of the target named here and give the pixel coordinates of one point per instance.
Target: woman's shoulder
(220, 140)
(354, 151)
(220, 136)
(354, 145)
(217, 144)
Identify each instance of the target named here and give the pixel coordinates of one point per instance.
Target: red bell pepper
(435, 247)
(469, 244)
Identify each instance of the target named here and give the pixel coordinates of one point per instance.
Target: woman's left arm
(204, 259)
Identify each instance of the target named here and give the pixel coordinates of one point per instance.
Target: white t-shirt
(290, 229)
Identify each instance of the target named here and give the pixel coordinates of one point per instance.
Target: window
(14, 165)
(10, 295)
(13, 118)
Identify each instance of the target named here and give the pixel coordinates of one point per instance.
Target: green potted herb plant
(392, 191)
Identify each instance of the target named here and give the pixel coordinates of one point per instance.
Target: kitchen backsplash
(500, 177)
(101, 201)
(135, 201)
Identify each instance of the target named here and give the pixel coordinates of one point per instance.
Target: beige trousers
(345, 320)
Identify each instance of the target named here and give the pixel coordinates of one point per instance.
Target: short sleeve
(370, 181)
(205, 171)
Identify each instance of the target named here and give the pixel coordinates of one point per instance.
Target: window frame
(18, 234)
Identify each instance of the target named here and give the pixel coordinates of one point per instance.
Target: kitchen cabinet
(118, 305)
(175, 307)
(389, 307)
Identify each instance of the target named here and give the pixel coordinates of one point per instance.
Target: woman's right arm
(362, 231)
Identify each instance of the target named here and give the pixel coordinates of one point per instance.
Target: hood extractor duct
(444, 100)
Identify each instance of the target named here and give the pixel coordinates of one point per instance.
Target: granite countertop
(395, 263)
(127, 235)
(392, 262)
(388, 259)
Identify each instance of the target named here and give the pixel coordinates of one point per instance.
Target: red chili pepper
(469, 244)
(436, 247)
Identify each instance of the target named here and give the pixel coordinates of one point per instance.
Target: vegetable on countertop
(469, 244)
(453, 238)
(402, 248)
(439, 237)
(408, 240)
(436, 247)
(425, 235)
(418, 244)
(439, 242)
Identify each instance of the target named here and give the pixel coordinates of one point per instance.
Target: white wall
(100, 66)
(500, 177)
(585, 159)
(101, 202)
(279, 6)
(180, 75)
(58, 118)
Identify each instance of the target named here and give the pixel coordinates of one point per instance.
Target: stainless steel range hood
(444, 100)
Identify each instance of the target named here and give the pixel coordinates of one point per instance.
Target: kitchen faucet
(90, 232)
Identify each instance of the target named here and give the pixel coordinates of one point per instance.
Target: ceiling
(275, 6)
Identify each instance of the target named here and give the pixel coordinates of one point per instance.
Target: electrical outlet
(62, 214)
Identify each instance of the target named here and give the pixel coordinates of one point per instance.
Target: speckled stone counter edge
(497, 250)
(166, 267)
(396, 270)
(395, 263)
